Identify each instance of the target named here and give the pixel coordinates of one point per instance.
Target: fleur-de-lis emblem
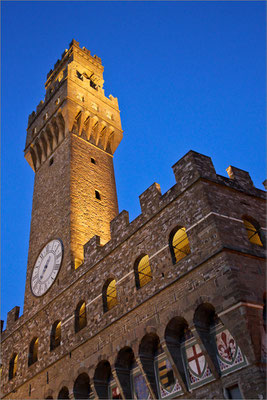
(226, 346)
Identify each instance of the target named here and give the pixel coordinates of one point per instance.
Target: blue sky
(188, 75)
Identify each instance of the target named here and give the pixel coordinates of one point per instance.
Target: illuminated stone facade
(194, 328)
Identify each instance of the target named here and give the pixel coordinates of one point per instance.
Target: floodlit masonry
(169, 305)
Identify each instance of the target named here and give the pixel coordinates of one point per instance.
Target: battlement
(74, 102)
(58, 74)
(206, 206)
(188, 170)
(73, 47)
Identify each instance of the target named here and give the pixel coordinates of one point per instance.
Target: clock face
(46, 267)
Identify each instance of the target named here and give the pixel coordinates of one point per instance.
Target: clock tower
(71, 139)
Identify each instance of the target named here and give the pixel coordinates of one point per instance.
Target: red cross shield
(196, 360)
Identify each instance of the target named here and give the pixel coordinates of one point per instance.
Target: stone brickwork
(211, 296)
(70, 143)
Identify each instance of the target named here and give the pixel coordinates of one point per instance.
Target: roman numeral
(36, 288)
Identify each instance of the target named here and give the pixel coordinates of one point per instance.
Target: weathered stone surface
(223, 268)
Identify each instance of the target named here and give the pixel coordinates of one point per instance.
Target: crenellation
(191, 167)
(92, 249)
(40, 107)
(119, 224)
(150, 200)
(241, 177)
(12, 317)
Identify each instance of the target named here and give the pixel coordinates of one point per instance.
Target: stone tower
(171, 305)
(70, 143)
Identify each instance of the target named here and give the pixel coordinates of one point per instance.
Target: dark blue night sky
(188, 75)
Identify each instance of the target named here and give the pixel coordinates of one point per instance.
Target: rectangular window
(97, 195)
(233, 392)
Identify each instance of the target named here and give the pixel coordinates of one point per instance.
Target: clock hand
(45, 267)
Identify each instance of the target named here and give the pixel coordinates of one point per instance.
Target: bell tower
(71, 139)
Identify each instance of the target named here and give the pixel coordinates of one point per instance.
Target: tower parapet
(74, 102)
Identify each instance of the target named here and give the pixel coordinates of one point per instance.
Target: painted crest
(227, 347)
(229, 354)
(196, 360)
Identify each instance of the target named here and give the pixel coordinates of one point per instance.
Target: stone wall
(223, 269)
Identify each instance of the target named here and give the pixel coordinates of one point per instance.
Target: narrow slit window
(97, 195)
(93, 160)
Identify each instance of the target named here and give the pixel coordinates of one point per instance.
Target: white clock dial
(46, 267)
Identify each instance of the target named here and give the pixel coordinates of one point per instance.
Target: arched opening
(77, 122)
(109, 295)
(34, 159)
(61, 125)
(33, 351)
(205, 320)
(142, 271)
(39, 151)
(124, 363)
(81, 388)
(176, 333)
(102, 379)
(149, 348)
(221, 346)
(80, 316)
(63, 393)
(13, 366)
(44, 144)
(55, 338)
(55, 130)
(253, 231)
(179, 244)
(51, 140)
(187, 354)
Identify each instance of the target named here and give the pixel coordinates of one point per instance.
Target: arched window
(33, 351)
(109, 295)
(13, 365)
(81, 388)
(55, 338)
(142, 270)
(102, 378)
(179, 244)
(253, 231)
(80, 316)
(124, 365)
(64, 393)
